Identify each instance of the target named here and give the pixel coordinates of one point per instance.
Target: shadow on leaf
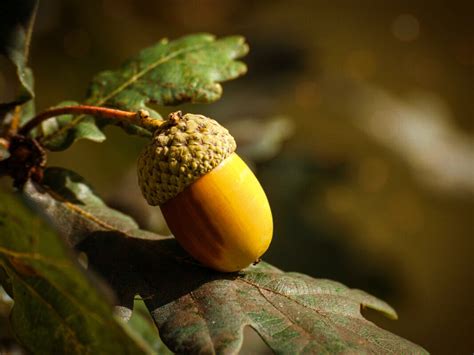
(134, 266)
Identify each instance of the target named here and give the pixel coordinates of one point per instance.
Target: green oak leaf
(198, 310)
(62, 139)
(16, 24)
(142, 324)
(72, 207)
(188, 69)
(57, 307)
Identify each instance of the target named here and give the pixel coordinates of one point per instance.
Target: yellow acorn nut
(212, 202)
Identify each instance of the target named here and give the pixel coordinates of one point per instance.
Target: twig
(141, 118)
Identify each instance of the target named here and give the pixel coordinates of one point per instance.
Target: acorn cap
(182, 150)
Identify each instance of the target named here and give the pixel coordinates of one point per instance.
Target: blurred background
(357, 117)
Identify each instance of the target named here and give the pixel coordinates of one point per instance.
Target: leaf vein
(308, 335)
(323, 314)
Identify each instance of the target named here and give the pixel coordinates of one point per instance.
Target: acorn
(212, 202)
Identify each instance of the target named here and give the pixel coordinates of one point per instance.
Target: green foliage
(58, 309)
(72, 207)
(142, 324)
(60, 138)
(188, 69)
(15, 35)
(198, 310)
(293, 313)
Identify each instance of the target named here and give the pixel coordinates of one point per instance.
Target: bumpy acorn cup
(211, 200)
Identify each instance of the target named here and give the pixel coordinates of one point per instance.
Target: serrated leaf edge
(130, 81)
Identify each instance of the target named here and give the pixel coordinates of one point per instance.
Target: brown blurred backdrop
(357, 116)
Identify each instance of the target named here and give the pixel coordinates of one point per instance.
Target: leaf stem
(141, 118)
